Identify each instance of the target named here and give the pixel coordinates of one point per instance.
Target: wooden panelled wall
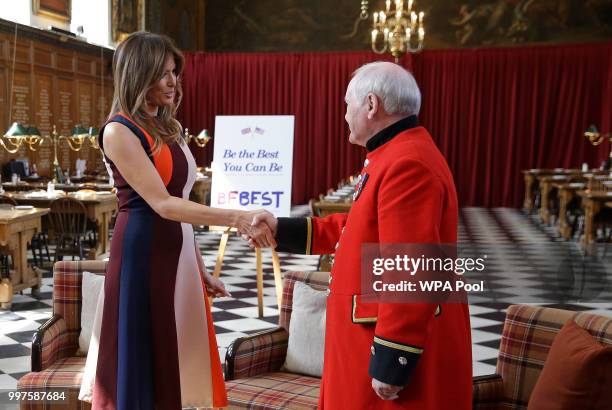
(57, 81)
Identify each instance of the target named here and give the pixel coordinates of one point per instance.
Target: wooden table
(531, 177)
(23, 186)
(30, 186)
(547, 181)
(546, 187)
(592, 201)
(201, 190)
(17, 227)
(566, 192)
(327, 207)
(100, 209)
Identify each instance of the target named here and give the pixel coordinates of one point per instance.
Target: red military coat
(408, 197)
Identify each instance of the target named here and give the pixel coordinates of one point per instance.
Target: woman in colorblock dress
(157, 346)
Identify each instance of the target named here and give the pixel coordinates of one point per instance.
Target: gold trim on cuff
(360, 319)
(308, 236)
(398, 346)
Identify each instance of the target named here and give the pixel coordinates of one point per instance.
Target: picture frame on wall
(56, 9)
(127, 18)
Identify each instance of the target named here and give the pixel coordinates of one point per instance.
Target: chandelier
(398, 29)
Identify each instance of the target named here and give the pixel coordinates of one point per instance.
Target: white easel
(278, 283)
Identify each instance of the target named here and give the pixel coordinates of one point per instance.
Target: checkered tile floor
(525, 261)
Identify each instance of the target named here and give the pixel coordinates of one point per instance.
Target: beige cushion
(89, 373)
(91, 288)
(306, 331)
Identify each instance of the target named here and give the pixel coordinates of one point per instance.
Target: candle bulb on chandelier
(374, 35)
(421, 34)
(408, 34)
(375, 15)
(421, 15)
(409, 6)
(386, 32)
(388, 3)
(413, 20)
(383, 17)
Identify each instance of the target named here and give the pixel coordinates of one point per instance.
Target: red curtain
(492, 112)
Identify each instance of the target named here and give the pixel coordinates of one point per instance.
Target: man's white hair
(392, 84)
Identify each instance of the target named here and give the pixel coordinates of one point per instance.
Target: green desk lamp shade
(16, 130)
(203, 134)
(93, 131)
(79, 130)
(593, 129)
(33, 131)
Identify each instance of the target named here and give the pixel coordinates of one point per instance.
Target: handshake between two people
(258, 228)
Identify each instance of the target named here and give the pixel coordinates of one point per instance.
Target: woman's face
(162, 92)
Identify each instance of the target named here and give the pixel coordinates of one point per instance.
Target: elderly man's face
(357, 119)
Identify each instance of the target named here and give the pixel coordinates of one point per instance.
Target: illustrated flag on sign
(245, 131)
(259, 131)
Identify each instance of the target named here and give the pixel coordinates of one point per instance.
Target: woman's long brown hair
(138, 63)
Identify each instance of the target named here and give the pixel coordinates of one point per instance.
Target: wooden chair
(92, 229)
(7, 200)
(68, 219)
(603, 219)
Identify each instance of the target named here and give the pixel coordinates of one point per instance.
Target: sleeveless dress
(157, 346)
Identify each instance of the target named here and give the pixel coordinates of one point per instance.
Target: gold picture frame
(56, 9)
(126, 18)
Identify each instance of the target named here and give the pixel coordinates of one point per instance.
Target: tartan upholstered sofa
(253, 363)
(254, 378)
(526, 340)
(55, 365)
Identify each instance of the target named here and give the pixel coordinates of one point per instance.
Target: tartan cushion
(64, 374)
(526, 339)
(67, 278)
(259, 353)
(274, 391)
(316, 280)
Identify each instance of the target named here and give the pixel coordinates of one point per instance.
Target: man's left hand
(386, 391)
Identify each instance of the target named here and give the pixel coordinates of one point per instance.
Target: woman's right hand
(261, 234)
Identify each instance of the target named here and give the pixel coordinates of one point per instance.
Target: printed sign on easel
(252, 168)
(252, 163)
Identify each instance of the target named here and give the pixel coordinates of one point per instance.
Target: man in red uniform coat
(388, 355)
